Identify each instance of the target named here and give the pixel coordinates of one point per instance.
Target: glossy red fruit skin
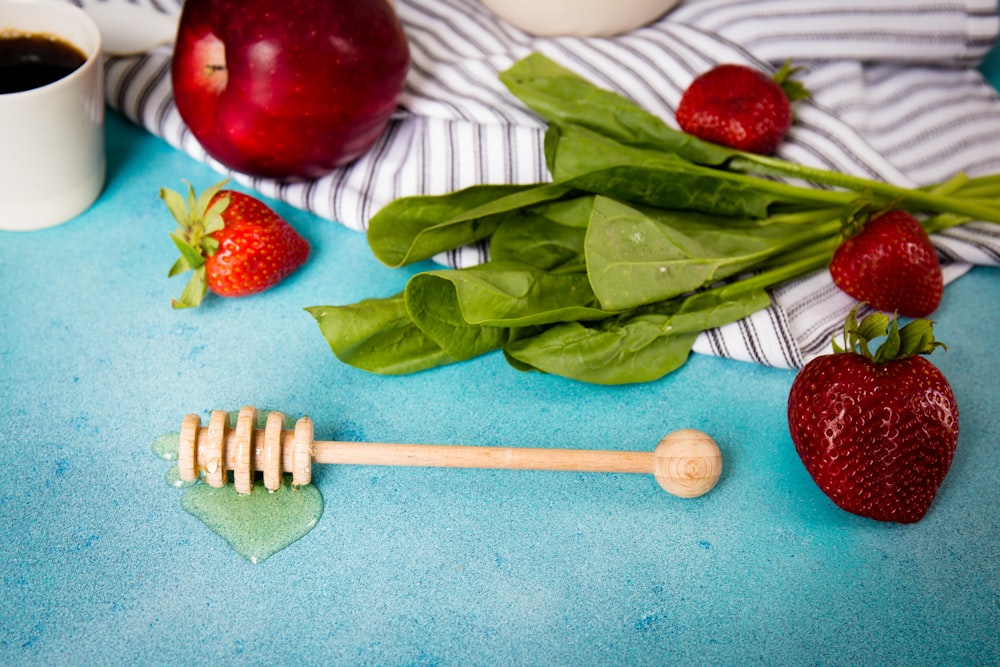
(305, 86)
(878, 439)
(736, 106)
(257, 249)
(892, 265)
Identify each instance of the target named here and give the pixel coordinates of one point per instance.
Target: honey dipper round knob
(686, 463)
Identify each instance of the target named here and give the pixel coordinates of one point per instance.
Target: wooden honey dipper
(686, 463)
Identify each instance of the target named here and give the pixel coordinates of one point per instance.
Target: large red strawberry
(233, 243)
(740, 107)
(876, 431)
(891, 264)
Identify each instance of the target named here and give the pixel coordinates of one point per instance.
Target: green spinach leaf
(561, 97)
(588, 161)
(377, 335)
(497, 295)
(411, 229)
(639, 346)
(539, 237)
(641, 256)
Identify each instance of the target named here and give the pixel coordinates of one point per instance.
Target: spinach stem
(942, 222)
(939, 203)
(808, 216)
(991, 181)
(781, 272)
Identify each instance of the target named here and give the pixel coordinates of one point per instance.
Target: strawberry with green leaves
(741, 107)
(889, 262)
(233, 244)
(876, 430)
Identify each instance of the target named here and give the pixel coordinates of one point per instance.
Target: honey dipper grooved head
(688, 463)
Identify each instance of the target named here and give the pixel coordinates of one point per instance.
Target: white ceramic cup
(52, 163)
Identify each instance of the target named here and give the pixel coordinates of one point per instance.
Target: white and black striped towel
(896, 97)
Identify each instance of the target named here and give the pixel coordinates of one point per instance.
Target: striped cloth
(896, 96)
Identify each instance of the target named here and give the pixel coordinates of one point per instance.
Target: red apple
(288, 89)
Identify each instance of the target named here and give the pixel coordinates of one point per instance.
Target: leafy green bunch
(645, 237)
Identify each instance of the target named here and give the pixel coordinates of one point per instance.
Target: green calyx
(198, 217)
(785, 77)
(862, 211)
(916, 337)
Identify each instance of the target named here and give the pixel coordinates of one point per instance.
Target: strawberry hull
(878, 439)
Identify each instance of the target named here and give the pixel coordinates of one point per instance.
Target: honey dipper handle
(215, 450)
(464, 456)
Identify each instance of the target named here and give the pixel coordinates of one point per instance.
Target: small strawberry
(740, 107)
(877, 433)
(891, 264)
(233, 243)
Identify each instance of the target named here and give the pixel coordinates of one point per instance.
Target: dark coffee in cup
(29, 60)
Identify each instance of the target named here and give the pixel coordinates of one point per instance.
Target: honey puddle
(256, 525)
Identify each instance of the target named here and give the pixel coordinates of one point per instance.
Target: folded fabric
(918, 32)
(895, 97)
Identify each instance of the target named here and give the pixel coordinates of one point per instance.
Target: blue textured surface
(100, 565)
